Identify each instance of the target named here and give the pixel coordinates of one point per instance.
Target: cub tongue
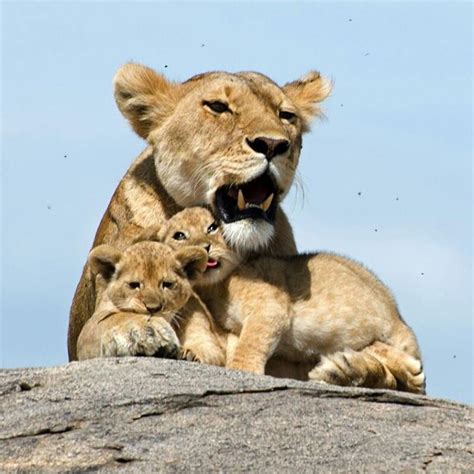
(211, 263)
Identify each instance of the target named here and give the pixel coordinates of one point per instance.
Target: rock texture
(144, 414)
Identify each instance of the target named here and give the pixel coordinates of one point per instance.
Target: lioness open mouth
(253, 200)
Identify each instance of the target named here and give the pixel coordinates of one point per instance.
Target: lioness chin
(229, 141)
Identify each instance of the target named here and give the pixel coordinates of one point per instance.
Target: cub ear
(144, 97)
(155, 234)
(103, 259)
(306, 93)
(193, 260)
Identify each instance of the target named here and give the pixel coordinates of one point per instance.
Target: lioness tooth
(249, 205)
(241, 200)
(267, 203)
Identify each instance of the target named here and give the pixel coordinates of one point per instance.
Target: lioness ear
(193, 260)
(306, 93)
(103, 260)
(144, 97)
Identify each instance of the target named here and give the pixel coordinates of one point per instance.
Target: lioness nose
(270, 147)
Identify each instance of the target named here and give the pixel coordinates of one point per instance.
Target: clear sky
(387, 178)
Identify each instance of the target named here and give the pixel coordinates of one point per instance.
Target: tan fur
(147, 293)
(321, 311)
(193, 151)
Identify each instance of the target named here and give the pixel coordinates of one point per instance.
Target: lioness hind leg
(407, 370)
(353, 368)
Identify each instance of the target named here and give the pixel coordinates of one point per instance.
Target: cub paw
(334, 370)
(246, 366)
(143, 336)
(210, 354)
(413, 378)
(353, 368)
(187, 354)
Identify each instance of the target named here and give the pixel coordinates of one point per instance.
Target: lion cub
(319, 309)
(147, 289)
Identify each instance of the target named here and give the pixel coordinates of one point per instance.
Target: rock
(145, 414)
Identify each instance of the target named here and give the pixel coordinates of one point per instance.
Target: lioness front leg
(127, 334)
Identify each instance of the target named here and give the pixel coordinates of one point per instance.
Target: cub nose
(270, 147)
(153, 307)
(207, 247)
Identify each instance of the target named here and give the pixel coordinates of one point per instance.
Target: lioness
(147, 293)
(320, 308)
(230, 141)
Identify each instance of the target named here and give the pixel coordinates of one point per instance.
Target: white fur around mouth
(247, 237)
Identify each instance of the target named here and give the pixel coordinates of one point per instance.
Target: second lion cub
(319, 308)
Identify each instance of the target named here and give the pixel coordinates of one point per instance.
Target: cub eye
(212, 228)
(134, 285)
(167, 284)
(217, 106)
(179, 236)
(289, 116)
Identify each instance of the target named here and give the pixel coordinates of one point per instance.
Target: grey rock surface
(149, 415)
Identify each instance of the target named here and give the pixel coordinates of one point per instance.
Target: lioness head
(196, 226)
(148, 277)
(229, 141)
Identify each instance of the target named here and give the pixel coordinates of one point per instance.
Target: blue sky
(399, 132)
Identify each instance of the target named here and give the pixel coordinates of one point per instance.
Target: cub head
(148, 277)
(196, 226)
(228, 141)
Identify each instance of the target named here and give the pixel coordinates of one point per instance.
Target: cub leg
(232, 343)
(260, 335)
(407, 370)
(201, 340)
(376, 366)
(353, 368)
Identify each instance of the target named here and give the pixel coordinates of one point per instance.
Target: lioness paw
(147, 337)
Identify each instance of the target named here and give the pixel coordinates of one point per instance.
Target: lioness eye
(212, 227)
(216, 106)
(167, 284)
(134, 285)
(179, 236)
(285, 115)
